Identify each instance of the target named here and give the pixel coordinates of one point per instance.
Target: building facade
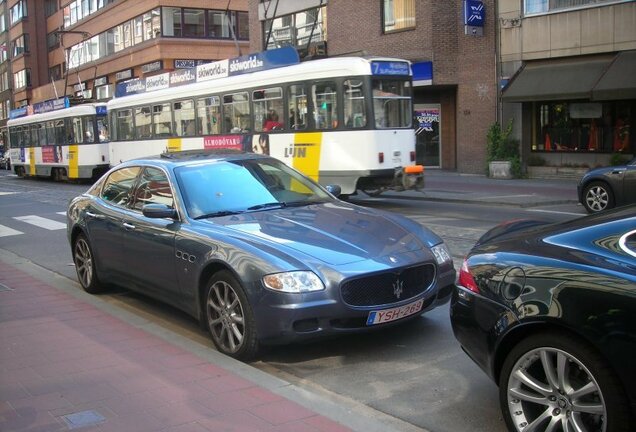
(5, 74)
(455, 81)
(568, 79)
(82, 48)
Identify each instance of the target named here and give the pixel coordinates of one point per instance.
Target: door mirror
(159, 211)
(334, 190)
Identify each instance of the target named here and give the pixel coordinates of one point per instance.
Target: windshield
(392, 103)
(220, 188)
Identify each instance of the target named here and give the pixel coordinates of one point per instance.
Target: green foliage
(499, 146)
(618, 159)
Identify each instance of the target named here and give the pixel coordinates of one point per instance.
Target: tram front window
(392, 103)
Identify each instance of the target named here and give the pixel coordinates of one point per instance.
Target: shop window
(398, 15)
(584, 127)
(219, 26)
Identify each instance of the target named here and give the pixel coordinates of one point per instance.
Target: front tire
(553, 382)
(598, 196)
(230, 318)
(85, 265)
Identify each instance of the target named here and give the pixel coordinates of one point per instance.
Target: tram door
(427, 131)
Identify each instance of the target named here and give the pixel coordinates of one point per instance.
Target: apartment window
(4, 81)
(296, 29)
(219, 24)
(3, 52)
(242, 26)
(18, 11)
(171, 21)
(542, 6)
(50, 7)
(398, 15)
(55, 73)
(3, 23)
(22, 78)
(193, 23)
(20, 45)
(80, 9)
(152, 24)
(52, 41)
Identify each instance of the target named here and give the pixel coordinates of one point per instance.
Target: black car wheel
(598, 196)
(230, 317)
(555, 383)
(85, 265)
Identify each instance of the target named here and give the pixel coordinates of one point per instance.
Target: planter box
(500, 169)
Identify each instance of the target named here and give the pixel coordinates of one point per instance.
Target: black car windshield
(219, 188)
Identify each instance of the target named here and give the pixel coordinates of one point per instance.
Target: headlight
(294, 282)
(442, 255)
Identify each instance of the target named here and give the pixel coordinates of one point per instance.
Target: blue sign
(474, 13)
(390, 68)
(422, 73)
(101, 110)
(270, 59)
(18, 112)
(51, 105)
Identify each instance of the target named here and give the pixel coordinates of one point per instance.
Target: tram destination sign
(265, 60)
(390, 68)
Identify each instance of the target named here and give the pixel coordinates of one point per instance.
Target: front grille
(383, 288)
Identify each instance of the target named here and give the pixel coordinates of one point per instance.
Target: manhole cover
(83, 419)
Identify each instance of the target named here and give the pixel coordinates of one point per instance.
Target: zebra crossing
(33, 221)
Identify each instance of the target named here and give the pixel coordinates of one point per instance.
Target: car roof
(187, 157)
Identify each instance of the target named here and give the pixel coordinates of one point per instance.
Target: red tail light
(412, 156)
(466, 279)
(381, 157)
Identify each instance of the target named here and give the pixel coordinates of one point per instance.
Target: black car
(549, 313)
(256, 251)
(607, 187)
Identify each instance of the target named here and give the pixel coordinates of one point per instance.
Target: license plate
(388, 315)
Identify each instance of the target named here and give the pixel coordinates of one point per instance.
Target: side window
(118, 185)
(209, 115)
(297, 107)
(236, 112)
(124, 125)
(184, 118)
(354, 106)
(143, 122)
(325, 100)
(154, 188)
(78, 130)
(268, 109)
(162, 120)
(89, 129)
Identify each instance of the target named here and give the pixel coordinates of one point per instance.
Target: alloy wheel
(551, 390)
(597, 198)
(83, 262)
(225, 317)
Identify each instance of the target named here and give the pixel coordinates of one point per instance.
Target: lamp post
(67, 51)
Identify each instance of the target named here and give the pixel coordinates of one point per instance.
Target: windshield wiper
(268, 205)
(219, 213)
(303, 203)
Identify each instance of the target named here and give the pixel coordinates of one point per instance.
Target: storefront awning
(562, 79)
(619, 82)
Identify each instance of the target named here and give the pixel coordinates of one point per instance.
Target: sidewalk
(69, 360)
(449, 186)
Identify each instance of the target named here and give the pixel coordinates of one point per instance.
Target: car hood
(333, 233)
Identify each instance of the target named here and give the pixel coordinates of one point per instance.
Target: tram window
(236, 112)
(162, 120)
(297, 107)
(268, 109)
(354, 106)
(392, 103)
(325, 100)
(88, 124)
(41, 131)
(32, 136)
(143, 122)
(102, 129)
(78, 130)
(184, 118)
(50, 133)
(208, 115)
(124, 125)
(60, 132)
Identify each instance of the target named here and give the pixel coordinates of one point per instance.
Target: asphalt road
(416, 373)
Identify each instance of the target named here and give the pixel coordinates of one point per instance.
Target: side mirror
(334, 190)
(158, 211)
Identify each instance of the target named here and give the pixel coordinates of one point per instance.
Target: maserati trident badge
(398, 288)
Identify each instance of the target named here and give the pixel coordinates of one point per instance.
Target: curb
(481, 201)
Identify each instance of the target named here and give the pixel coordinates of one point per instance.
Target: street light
(60, 35)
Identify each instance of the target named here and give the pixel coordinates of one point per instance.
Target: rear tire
(85, 265)
(554, 380)
(598, 196)
(229, 317)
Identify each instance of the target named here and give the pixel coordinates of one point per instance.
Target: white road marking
(61, 213)
(42, 222)
(7, 193)
(556, 212)
(507, 196)
(6, 231)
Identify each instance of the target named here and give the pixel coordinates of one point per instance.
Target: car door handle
(129, 226)
(618, 171)
(94, 216)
